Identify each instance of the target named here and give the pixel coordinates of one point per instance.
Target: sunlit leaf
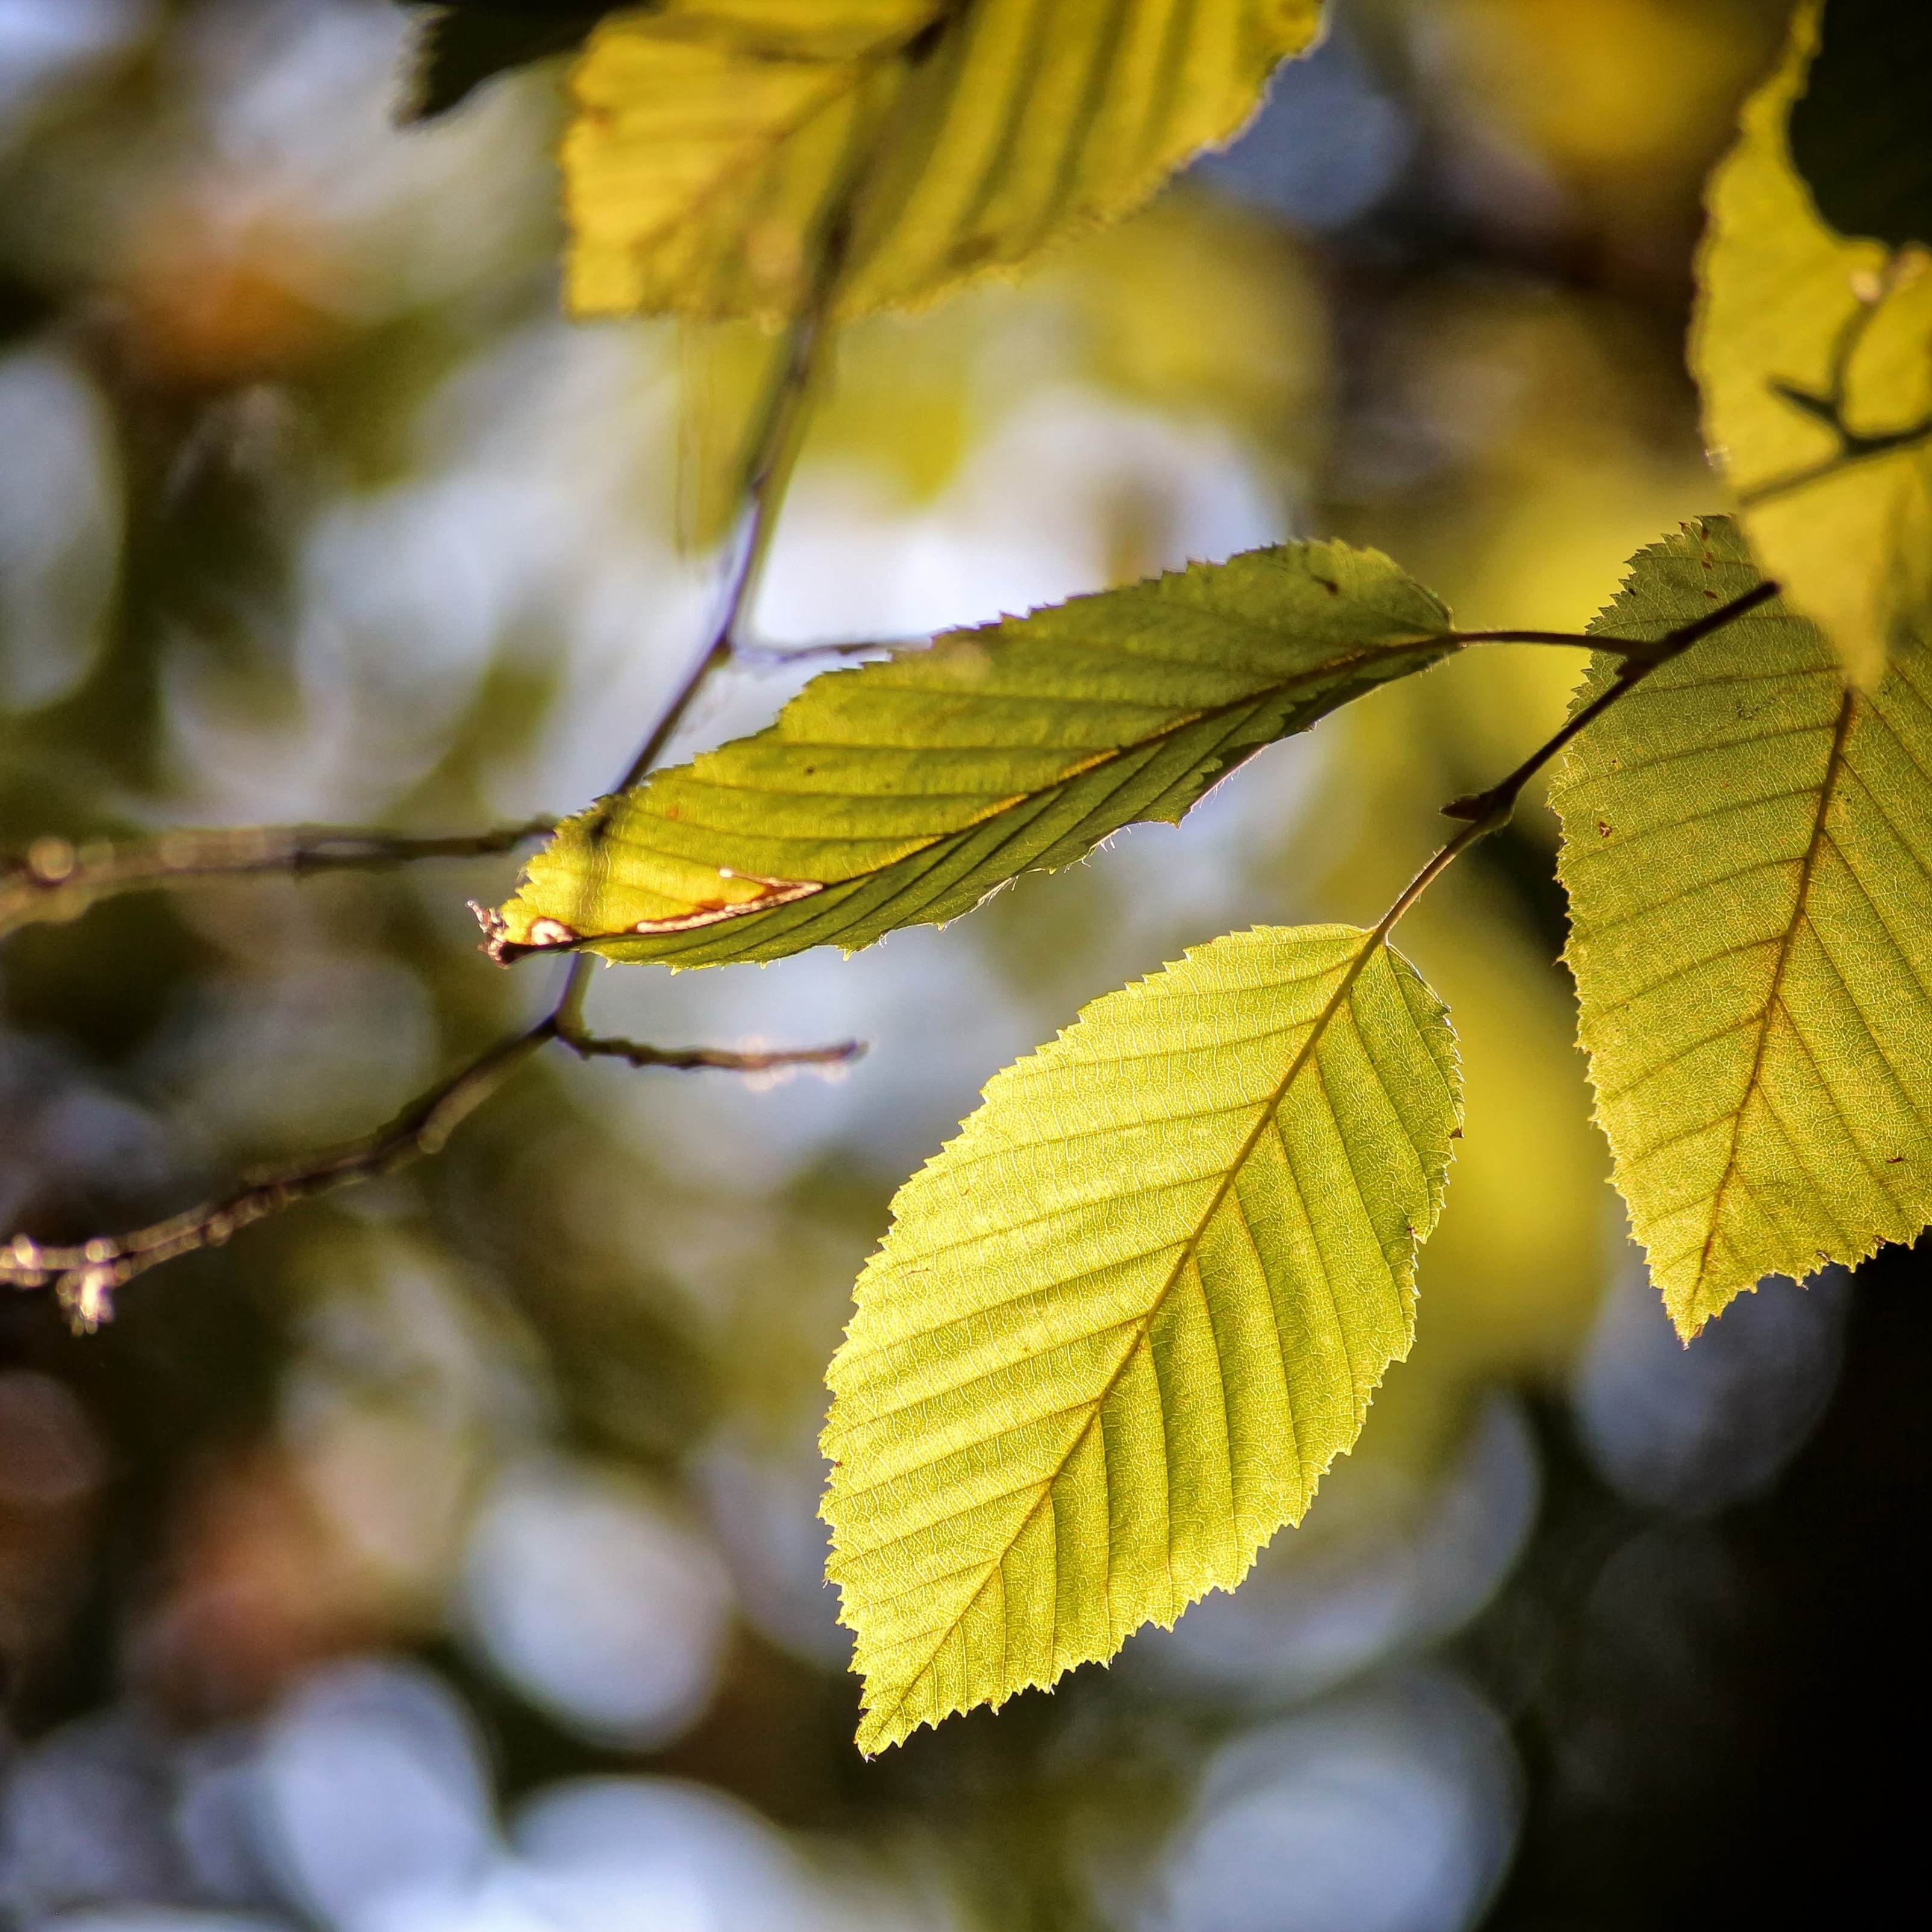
(1122, 1324)
(719, 145)
(1747, 848)
(902, 793)
(1813, 352)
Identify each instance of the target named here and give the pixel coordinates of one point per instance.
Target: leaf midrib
(1337, 667)
(845, 77)
(1834, 766)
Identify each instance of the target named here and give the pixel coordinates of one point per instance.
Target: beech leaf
(1747, 848)
(902, 792)
(1125, 1321)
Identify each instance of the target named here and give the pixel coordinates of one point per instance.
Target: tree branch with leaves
(1122, 1324)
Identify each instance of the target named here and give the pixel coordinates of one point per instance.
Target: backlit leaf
(1747, 848)
(718, 144)
(903, 792)
(1125, 1321)
(1813, 352)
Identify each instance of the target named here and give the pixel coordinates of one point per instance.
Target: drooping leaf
(1124, 1321)
(1813, 353)
(460, 44)
(903, 792)
(1860, 135)
(719, 144)
(1747, 848)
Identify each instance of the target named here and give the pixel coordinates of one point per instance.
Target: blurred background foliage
(446, 1554)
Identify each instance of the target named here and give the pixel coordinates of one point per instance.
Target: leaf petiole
(1490, 811)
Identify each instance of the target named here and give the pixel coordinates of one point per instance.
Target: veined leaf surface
(901, 793)
(1813, 351)
(717, 142)
(1124, 1321)
(1747, 848)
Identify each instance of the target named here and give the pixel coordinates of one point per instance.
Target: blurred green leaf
(904, 792)
(1123, 1324)
(1191, 306)
(1746, 848)
(718, 144)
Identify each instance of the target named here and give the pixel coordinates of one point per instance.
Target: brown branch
(1490, 811)
(766, 474)
(86, 1277)
(773, 656)
(588, 1046)
(56, 881)
(1581, 640)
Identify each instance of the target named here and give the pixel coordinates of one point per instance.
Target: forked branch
(85, 1277)
(1490, 811)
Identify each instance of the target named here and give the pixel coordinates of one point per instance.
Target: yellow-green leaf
(1747, 848)
(1813, 353)
(718, 144)
(903, 792)
(1123, 1323)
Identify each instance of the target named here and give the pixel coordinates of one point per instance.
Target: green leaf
(902, 793)
(1860, 135)
(719, 144)
(460, 44)
(1747, 848)
(1813, 353)
(1122, 1324)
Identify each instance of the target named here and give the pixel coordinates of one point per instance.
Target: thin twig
(765, 477)
(86, 1277)
(588, 1046)
(56, 880)
(1490, 811)
(775, 656)
(1581, 640)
